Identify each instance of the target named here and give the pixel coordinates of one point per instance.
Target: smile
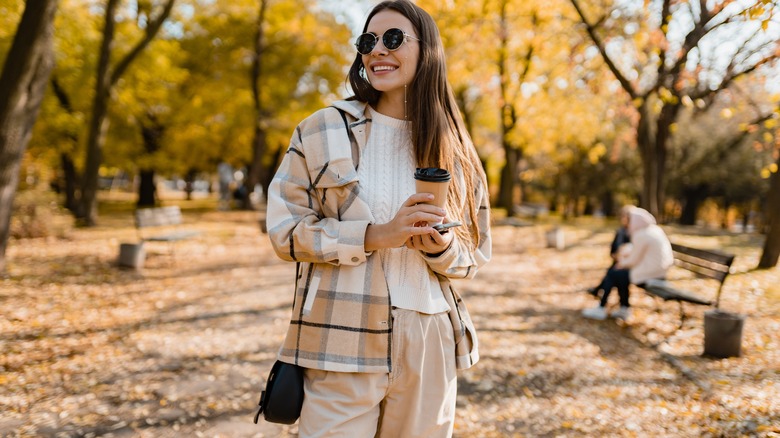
(383, 68)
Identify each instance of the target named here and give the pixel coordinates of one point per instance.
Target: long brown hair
(439, 136)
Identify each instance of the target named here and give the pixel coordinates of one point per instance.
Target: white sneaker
(623, 313)
(597, 312)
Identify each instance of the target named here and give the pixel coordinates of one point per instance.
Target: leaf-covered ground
(182, 348)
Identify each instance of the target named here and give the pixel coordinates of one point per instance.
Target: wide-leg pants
(417, 399)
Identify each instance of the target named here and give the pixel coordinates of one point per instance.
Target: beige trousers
(417, 399)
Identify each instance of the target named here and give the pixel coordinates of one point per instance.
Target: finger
(421, 216)
(421, 230)
(438, 238)
(418, 198)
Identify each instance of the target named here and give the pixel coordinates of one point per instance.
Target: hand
(410, 220)
(433, 243)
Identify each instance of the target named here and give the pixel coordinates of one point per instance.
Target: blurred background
(576, 107)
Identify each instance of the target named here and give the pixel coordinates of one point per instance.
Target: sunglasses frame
(376, 40)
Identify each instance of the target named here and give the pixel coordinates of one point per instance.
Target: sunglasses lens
(365, 43)
(393, 38)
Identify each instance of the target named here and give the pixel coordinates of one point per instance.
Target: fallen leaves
(183, 347)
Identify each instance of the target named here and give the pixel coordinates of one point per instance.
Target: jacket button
(355, 259)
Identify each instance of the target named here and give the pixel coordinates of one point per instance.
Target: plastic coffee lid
(432, 174)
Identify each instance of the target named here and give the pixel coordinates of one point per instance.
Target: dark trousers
(616, 278)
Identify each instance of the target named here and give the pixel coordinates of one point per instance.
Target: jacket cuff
(444, 259)
(351, 242)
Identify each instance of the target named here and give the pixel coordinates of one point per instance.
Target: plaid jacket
(316, 216)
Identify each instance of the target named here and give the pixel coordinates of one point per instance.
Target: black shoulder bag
(282, 399)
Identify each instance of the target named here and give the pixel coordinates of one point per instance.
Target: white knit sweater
(386, 174)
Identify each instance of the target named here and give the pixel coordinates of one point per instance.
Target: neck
(392, 104)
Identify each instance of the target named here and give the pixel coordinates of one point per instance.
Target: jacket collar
(354, 108)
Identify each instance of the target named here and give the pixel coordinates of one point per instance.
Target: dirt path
(182, 348)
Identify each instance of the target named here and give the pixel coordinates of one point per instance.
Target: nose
(379, 48)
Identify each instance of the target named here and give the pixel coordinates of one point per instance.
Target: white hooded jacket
(651, 254)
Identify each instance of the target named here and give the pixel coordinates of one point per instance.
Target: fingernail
(430, 196)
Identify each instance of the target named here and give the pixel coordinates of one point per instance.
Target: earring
(405, 116)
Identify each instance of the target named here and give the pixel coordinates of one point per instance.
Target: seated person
(649, 256)
(621, 238)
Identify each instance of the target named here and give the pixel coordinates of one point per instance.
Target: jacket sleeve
(639, 247)
(459, 260)
(297, 226)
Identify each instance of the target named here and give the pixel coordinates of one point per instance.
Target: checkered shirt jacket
(317, 217)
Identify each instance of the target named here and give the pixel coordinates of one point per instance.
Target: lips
(377, 68)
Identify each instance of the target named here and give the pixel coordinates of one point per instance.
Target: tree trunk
(506, 190)
(98, 124)
(70, 178)
(189, 183)
(692, 200)
(22, 86)
(151, 132)
(509, 174)
(663, 134)
(772, 244)
(256, 171)
(645, 143)
(147, 191)
(608, 203)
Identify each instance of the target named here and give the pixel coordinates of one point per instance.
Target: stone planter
(723, 333)
(555, 238)
(131, 255)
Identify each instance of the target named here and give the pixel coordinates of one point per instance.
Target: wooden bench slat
(704, 271)
(162, 217)
(172, 237)
(718, 257)
(157, 217)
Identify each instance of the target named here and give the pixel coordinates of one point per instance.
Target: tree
(717, 151)
(107, 77)
(771, 252)
(259, 141)
(668, 45)
(22, 84)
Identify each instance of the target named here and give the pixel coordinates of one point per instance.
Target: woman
(649, 256)
(375, 322)
(621, 238)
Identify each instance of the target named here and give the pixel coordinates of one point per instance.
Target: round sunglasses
(392, 39)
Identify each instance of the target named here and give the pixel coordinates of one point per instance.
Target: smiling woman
(376, 324)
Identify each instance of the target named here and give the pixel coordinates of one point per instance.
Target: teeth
(383, 67)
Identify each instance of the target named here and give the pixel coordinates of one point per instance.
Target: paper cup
(433, 180)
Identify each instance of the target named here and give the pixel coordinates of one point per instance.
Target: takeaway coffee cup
(433, 180)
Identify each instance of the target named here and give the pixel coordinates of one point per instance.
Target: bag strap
(263, 403)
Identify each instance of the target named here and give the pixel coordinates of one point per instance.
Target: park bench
(709, 264)
(163, 224)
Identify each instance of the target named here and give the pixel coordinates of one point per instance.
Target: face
(624, 216)
(388, 71)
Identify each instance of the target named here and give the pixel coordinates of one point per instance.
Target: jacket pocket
(337, 173)
(335, 187)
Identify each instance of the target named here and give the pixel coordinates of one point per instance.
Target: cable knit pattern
(386, 180)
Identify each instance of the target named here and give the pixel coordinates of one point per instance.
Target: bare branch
(151, 31)
(729, 78)
(666, 17)
(591, 29)
(257, 56)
